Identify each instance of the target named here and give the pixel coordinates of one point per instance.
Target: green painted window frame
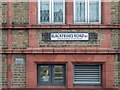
(50, 75)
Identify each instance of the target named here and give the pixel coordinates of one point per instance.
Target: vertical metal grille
(87, 74)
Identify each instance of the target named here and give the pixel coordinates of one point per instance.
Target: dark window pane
(51, 74)
(44, 73)
(58, 73)
(44, 11)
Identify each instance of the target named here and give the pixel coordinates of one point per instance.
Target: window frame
(51, 13)
(39, 21)
(51, 72)
(86, 12)
(100, 66)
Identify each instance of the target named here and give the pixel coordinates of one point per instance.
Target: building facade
(60, 44)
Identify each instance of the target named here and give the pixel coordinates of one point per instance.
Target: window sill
(51, 24)
(87, 23)
(86, 86)
(51, 86)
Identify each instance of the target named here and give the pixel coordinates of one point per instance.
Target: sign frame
(69, 36)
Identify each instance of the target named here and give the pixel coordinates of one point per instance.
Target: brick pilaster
(9, 17)
(9, 72)
(69, 75)
(9, 38)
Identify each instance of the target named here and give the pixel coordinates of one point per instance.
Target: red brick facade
(69, 60)
(35, 54)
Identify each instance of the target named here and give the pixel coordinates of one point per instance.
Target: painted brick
(21, 13)
(20, 39)
(3, 69)
(19, 71)
(38, 36)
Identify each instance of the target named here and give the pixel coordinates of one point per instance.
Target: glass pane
(44, 11)
(94, 11)
(80, 11)
(44, 73)
(58, 11)
(58, 73)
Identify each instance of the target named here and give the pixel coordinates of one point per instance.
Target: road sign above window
(69, 36)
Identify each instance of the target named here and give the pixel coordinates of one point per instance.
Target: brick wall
(119, 70)
(115, 39)
(115, 12)
(21, 13)
(119, 12)
(91, 43)
(3, 12)
(20, 39)
(3, 72)
(115, 43)
(4, 39)
(19, 71)
(116, 70)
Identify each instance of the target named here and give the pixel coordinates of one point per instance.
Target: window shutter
(87, 74)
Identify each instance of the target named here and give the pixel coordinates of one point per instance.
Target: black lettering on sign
(47, 37)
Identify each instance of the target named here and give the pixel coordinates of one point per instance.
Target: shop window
(87, 11)
(51, 74)
(87, 74)
(51, 11)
